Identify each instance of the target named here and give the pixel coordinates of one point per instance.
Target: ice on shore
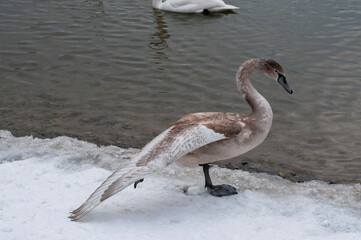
(42, 180)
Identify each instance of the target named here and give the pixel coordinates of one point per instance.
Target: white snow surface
(42, 180)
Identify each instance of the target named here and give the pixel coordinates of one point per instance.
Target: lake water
(118, 72)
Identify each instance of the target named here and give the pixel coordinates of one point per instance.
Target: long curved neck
(156, 3)
(258, 103)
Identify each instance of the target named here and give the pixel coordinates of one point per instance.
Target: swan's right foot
(221, 190)
(217, 190)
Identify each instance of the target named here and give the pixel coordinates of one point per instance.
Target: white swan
(199, 138)
(192, 6)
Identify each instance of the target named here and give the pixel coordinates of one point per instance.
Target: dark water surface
(118, 72)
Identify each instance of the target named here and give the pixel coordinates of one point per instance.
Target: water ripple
(116, 73)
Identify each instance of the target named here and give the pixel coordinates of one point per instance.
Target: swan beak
(282, 80)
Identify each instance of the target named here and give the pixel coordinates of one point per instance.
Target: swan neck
(258, 103)
(156, 3)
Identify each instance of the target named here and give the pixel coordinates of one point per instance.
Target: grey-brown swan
(199, 138)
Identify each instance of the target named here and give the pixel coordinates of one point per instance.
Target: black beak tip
(282, 80)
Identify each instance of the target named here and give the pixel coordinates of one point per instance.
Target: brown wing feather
(227, 124)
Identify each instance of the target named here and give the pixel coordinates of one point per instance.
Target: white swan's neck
(156, 3)
(260, 107)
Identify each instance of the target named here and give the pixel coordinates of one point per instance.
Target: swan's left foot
(138, 181)
(217, 190)
(221, 190)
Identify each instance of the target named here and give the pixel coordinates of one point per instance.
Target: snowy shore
(42, 180)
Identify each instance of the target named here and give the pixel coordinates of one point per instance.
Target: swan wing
(184, 137)
(173, 143)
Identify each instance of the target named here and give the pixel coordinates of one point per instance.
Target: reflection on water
(159, 39)
(115, 73)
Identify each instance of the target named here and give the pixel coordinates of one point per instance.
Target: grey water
(118, 72)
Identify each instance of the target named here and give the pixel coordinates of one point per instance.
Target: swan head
(273, 70)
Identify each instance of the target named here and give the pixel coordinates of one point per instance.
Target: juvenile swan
(199, 138)
(192, 6)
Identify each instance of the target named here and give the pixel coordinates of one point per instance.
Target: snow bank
(41, 181)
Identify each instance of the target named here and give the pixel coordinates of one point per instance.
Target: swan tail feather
(225, 8)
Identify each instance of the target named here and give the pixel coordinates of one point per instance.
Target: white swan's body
(192, 6)
(199, 138)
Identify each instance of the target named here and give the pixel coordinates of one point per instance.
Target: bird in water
(193, 6)
(199, 139)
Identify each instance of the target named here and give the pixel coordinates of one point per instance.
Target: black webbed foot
(221, 190)
(138, 181)
(217, 190)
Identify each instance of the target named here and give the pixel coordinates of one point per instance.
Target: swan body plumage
(199, 138)
(192, 6)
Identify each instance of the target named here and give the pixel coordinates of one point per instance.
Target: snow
(42, 180)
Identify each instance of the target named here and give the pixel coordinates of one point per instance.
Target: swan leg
(138, 181)
(217, 190)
